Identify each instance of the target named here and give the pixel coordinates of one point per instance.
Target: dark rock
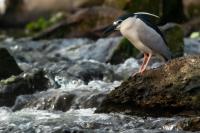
(60, 100)
(172, 89)
(26, 83)
(51, 100)
(175, 38)
(190, 124)
(68, 130)
(92, 100)
(8, 65)
(124, 49)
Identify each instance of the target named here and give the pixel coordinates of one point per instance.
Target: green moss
(9, 80)
(124, 51)
(195, 35)
(174, 37)
(43, 23)
(38, 25)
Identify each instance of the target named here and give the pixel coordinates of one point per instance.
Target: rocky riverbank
(70, 78)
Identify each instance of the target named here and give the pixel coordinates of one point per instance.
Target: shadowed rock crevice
(172, 89)
(8, 65)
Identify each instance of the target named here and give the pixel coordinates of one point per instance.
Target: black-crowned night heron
(143, 34)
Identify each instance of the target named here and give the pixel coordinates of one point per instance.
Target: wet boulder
(190, 124)
(25, 83)
(175, 38)
(59, 100)
(71, 95)
(46, 100)
(124, 49)
(8, 65)
(171, 89)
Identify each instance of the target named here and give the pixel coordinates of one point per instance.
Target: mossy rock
(170, 90)
(44, 23)
(175, 38)
(25, 83)
(190, 124)
(124, 50)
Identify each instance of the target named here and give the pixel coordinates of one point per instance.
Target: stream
(80, 77)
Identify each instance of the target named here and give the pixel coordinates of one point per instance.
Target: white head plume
(146, 13)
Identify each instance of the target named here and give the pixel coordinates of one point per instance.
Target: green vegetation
(8, 80)
(195, 35)
(174, 37)
(43, 23)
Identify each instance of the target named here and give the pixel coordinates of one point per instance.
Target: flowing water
(67, 60)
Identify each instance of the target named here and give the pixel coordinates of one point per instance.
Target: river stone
(175, 38)
(172, 89)
(46, 100)
(60, 100)
(26, 83)
(190, 124)
(8, 65)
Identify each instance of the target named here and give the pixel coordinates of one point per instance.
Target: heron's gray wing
(153, 38)
(147, 21)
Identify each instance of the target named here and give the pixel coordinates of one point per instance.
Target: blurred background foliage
(89, 17)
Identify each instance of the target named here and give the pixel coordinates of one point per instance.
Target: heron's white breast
(131, 28)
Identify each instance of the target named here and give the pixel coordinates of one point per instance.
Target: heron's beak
(109, 29)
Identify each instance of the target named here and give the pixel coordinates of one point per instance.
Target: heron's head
(116, 25)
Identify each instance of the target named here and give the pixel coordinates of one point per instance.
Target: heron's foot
(142, 71)
(134, 73)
